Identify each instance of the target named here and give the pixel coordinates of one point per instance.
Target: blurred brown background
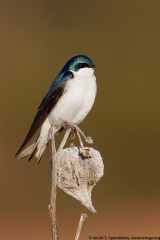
(123, 39)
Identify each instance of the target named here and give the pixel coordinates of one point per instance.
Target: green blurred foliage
(123, 39)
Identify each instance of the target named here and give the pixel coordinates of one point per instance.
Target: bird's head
(81, 65)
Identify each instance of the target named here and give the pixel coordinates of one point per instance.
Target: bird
(67, 102)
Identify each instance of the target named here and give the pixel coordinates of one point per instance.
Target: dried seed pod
(78, 171)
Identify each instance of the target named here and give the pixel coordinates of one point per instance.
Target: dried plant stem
(79, 138)
(68, 131)
(52, 206)
(82, 218)
(87, 139)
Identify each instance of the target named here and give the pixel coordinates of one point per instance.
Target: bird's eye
(83, 65)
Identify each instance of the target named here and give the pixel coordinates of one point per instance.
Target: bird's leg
(67, 125)
(87, 139)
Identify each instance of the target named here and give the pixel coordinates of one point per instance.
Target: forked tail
(33, 151)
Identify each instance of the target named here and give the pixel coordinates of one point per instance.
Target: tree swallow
(67, 101)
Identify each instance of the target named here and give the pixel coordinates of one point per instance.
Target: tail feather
(39, 153)
(33, 151)
(28, 151)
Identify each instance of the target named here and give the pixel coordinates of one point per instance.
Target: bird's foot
(67, 125)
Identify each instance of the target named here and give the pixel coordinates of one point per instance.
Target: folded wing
(49, 101)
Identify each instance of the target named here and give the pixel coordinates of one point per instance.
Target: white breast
(77, 99)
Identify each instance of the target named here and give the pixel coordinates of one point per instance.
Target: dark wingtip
(17, 153)
(19, 150)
